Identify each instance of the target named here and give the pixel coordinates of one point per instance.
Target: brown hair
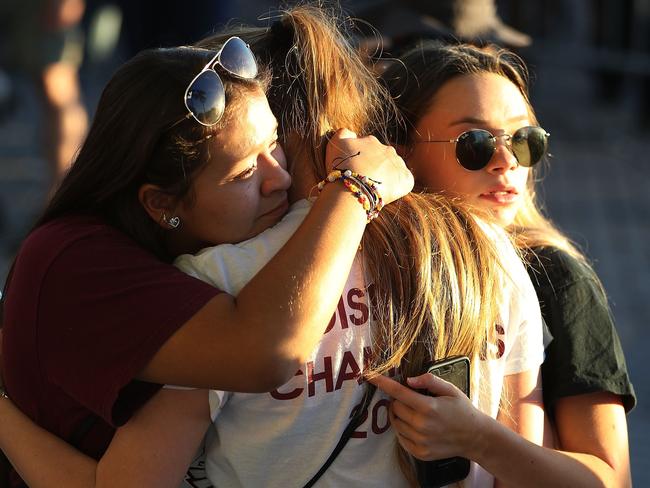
(432, 271)
(139, 135)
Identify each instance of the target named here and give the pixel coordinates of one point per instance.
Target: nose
(275, 176)
(503, 158)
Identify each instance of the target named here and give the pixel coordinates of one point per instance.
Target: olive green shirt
(585, 355)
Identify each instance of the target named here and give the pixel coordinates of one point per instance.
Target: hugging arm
(275, 320)
(154, 448)
(280, 315)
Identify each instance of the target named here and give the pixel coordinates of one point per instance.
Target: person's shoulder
(553, 256)
(63, 231)
(73, 237)
(550, 264)
(52, 237)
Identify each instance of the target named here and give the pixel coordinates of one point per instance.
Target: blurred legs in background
(43, 40)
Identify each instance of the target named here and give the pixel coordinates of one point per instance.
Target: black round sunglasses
(475, 147)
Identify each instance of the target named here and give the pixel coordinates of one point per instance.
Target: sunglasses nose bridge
(506, 140)
(499, 160)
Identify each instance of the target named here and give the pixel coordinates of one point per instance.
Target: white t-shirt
(519, 334)
(282, 438)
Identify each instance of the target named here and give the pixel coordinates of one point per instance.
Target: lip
(278, 211)
(501, 195)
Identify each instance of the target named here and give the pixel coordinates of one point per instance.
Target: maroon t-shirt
(86, 310)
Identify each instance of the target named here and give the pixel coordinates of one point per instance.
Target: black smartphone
(441, 472)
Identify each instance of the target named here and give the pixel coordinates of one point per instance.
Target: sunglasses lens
(206, 98)
(529, 145)
(474, 149)
(237, 58)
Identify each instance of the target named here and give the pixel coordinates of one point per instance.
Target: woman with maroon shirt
(95, 318)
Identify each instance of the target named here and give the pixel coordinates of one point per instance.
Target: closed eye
(246, 173)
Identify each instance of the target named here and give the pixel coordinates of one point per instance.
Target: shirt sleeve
(524, 329)
(105, 308)
(230, 267)
(526, 333)
(586, 355)
(217, 400)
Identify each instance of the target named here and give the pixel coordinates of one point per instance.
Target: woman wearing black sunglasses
(471, 131)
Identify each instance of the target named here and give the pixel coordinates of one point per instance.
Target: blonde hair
(433, 275)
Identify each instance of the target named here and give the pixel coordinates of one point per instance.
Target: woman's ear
(158, 204)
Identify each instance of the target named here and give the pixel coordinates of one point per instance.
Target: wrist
(481, 441)
(365, 190)
(337, 198)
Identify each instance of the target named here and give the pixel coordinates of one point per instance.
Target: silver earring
(173, 222)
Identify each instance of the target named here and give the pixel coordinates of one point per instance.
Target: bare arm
(595, 424)
(274, 323)
(595, 451)
(280, 315)
(448, 425)
(523, 410)
(153, 449)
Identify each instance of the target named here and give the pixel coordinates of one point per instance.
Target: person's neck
(303, 180)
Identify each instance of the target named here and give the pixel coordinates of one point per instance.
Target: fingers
(410, 446)
(344, 134)
(414, 440)
(400, 392)
(406, 436)
(406, 414)
(434, 385)
(401, 426)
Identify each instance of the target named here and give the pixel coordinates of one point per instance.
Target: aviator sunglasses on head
(475, 147)
(205, 96)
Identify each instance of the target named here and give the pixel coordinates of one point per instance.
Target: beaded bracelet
(370, 189)
(362, 187)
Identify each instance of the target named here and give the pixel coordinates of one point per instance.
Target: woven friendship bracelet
(362, 187)
(370, 189)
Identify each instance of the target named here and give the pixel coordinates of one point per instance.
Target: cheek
(239, 208)
(434, 165)
(211, 208)
(236, 206)
(520, 178)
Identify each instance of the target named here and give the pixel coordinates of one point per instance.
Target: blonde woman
(469, 130)
(432, 279)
